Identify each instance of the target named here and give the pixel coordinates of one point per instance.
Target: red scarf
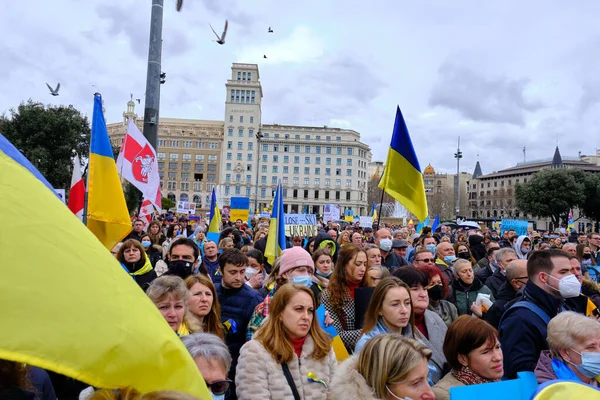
(420, 324)
(352, 285)
(297, 344)
(468, 377)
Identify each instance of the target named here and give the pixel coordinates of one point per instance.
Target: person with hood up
(134, 260)
(324, 240)
(522, 247)
(476, 247)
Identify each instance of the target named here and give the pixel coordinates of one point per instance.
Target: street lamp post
(458, 156)
(259, 135)
(153, 77)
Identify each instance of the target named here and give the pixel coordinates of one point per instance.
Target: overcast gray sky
(502, 75)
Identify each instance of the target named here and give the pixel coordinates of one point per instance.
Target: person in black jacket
(516, 278)
(503, 257)
(487, 270)
(524, 326)
(237, 301)
(133, 258)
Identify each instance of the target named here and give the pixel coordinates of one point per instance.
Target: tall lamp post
(259, 135)
(458, 156)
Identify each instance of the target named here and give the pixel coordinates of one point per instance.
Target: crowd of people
(418, 314)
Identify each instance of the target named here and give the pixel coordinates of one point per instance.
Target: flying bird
(138, 100)
(54, 92)
(221, 39)
(265, 56)
(179, 4)
(270, 30)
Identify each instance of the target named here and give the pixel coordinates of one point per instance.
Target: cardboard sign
(300, 225)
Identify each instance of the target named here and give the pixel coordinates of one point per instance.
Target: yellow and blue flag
(436, 223)
(402, 178)
(107, 215)
(77, 313)
(276, 238)
(215, 219)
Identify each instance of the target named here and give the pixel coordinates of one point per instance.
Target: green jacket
(463, 296)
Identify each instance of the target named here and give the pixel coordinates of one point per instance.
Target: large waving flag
(82, 316)
(276, 238)
(138, 164)
(77, 192)
(215, 219)
(107, 215)
(402, 177)
(436, 223)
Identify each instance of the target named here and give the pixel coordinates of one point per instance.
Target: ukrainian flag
(276, 238)
(215, 219)
(77, 313)
(107, 215)
(402, 177)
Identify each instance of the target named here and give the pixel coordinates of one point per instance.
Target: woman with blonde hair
(290, 357)
(132, 257)
(170, 295)
(389, 311)
(389, 366)
(204, 304)
(349, 274)
(377, 273)
(344, 238)
(130, 393)
(323, 267)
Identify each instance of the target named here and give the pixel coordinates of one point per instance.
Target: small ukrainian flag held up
(276, 238)
(402, 178)
(215, 219)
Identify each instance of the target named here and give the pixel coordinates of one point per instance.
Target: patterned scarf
(468, 377)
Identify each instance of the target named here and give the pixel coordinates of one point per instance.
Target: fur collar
(349, 384)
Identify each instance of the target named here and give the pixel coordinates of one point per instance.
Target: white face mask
(568, 287)
(396, 397)
(385, 244)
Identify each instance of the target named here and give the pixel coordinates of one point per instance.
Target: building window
(338, 161)
(237, 96)
(162, 156)
(240, 145)
(227, 190)
(250, 133)
(306, 160)
(227, 177)
(274, 180)
(237, 190)
(174, 143)
(263, 179)
(349, 150)
(229, 156)
(328, 161)
(286, 148)
(317, 181)
(263, 192)
(306, 181)
(275, 158)
(252, 99)
(307, 149)
(161, 165)
(247, 191)
(286, 159)
(231, 118)
(327, 150)
(239, 156)
(296, 159)
(338, 182)
(212, 158)
(263, 169)
(172, 176)
(284, 180)
(306, 170)
(339, 150)
(229, 147)
(228, 167)
(248, 167)
(317, 171)
(349, 162)
(185, 186)
(275, 147)
(318, 160)
(186, 157)
(251, 120)
(199, 167)
(250, 146)
(265, 147)
(316, 194)
(327, 182)
(173, 166)
(296, 170)
(244, 76)
(348, 196)
(162, 143)
(276, 136)
(327, 195)
(295, 180)
(264, 158)
(338, 172)
(230, 132)
(348, 172)
(240, 132)
(318, 149)
(337, 194)
(174, 157)
(348, 182)
(328, 138)
(239, 76)
(285, 169)
(328, 171)
(297, 149)
(241, 119)
(275, 169)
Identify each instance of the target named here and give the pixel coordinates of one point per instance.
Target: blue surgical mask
(302, 280)
(431, 248)
(322, 274)
(590, 364)
(524, 250)
(449, 259)
(146, 243)
(218, 396)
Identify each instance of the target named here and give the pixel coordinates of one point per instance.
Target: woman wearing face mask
(323, 267)
(588, 263)
(204, 304)
(574, 354)
(473, 351)
(294, 265)
(350, 273)
(431, 329)
(462, 251)
(133, 258)
(170, 295)
(389, 311)
(389, 366)
(465, 288)
(289, 353)
(255, 271)
(153, 252)
(522, 247)
(438, 289)
(156, 234)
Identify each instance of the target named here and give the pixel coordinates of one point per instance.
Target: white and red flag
(146, 211)
(77, 192)
(137, 163)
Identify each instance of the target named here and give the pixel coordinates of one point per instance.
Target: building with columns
(244, 158)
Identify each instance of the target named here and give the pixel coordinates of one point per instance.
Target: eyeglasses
(219, 387)
(426, 260)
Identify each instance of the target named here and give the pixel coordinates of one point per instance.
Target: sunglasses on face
(219, 387)
(426, 260)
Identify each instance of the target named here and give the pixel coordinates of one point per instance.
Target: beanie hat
(293, 258)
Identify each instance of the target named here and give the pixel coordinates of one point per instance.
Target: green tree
(551, 193)
(133, 197)
(167, 203)
(590, 206)
(49, 136)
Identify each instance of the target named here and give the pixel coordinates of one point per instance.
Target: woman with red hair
(438, 290)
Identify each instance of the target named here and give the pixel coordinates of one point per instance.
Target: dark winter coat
(494, 282)
(506, 294)
(212, 269)
(485, 272)
(523, 334)
(477, 247)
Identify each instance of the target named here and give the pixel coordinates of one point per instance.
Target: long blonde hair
(273, 335)
(212, 321)
(130, 393)
(388, 359)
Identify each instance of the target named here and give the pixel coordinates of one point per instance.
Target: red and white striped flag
(137, 163)
(146, 211)
(77, 191)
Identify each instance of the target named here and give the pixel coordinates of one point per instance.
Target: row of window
(187, 157)
(188, 144)
(247, 96)
(241, 76)
(173, 166)
(317, 171)
(240, 133)
(297, 137)
(241, 119)
(489, 184)
(286, 148)
(171, 185)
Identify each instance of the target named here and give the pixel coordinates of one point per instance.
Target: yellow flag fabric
(67, 305)
(107, 215)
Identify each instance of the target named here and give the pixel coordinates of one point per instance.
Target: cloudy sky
(501, 75)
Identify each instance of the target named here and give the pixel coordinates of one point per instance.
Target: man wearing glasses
(516, 279)
(594, 241)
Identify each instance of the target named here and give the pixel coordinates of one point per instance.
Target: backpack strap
(543, 315)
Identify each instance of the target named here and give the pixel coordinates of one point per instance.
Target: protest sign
(300, 225)
(186, 207)
(331, 213)
(240, 208)
(520, 227)
(366, 222)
